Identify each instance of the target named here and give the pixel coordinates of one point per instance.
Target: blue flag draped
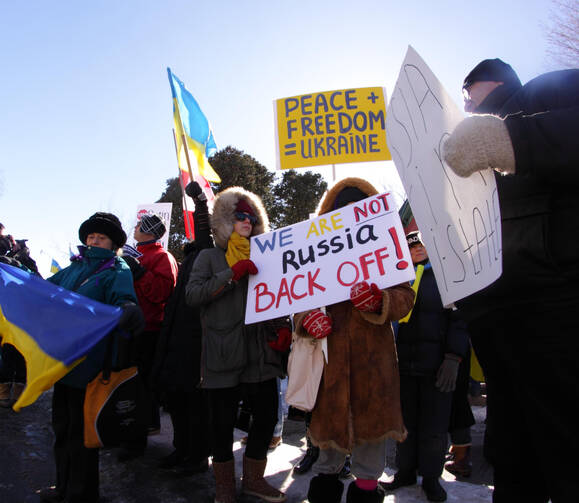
(52, 327)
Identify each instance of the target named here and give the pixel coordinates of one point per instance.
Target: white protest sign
(459, 217)
(161, 209)
(315, 263)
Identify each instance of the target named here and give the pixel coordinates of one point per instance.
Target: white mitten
(477, 143)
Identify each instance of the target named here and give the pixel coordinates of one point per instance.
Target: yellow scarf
(415, 285)
(237, 249)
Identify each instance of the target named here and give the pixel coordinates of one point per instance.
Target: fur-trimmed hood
(222, 218)
(327, 203)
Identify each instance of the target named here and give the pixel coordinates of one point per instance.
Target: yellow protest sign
(331, 127)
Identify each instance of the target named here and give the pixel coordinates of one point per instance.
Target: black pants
(262, 399)
(190, 417)
(12, 365)
(143, 350)
(529, 357)
(426, 413)
(77, 468)
(461, 417)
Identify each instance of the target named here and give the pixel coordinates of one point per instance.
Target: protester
(237, 360)
(176, 372)
(431, 341)
(99, 274)
(523, 327)
(154, 275)
(13, 252)
(358, 402)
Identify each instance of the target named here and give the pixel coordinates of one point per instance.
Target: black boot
(357, 495)
(325, 488)
(434, 491)
(304, 465)
(401, 479)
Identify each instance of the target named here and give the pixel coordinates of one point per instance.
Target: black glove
(132, 319)
(136, 268)
(195, 192)
(446, 375)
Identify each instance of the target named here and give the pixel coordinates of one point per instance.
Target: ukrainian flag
(54, 267)
(190, 121)
(52, 327)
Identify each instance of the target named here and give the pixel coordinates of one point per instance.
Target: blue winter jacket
(112, 284)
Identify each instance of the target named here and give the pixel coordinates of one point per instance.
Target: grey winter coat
(232, 352)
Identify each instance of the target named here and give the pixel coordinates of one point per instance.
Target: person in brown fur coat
(358, 402)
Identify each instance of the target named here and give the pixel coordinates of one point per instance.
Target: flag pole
(188, 229)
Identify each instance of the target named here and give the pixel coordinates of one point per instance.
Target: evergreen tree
(296, 197)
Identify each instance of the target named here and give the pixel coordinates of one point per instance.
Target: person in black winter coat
(176, 373)
(524, 326)
(431, 342)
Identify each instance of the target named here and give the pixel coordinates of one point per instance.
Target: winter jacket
(232, 352)
(157, 283)
(539, 203)
(359, 396)
(113, 285)
(430, 332)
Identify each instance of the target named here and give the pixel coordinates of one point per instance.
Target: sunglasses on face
(240, 216)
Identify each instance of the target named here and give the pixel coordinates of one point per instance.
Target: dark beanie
(103, 223)
(348, 195)
(494, 70)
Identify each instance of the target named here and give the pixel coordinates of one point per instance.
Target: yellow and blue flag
(191, 122)
(54, 267)
(53, 328)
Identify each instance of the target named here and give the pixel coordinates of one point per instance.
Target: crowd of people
(398, 360)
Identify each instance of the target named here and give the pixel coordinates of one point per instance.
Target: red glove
(317, 324)
(283, 341)
(366, 298)
(243, 268)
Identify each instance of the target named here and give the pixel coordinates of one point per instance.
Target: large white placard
(459, 217)
(315, 263)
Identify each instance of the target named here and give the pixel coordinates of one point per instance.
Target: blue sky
(85, 103)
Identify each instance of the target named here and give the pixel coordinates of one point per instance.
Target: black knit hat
(151, 223)
(103, 223)
(494, 70)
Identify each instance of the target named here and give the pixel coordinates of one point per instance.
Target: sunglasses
(240, 216)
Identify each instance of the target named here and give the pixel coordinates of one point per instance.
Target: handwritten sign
(459, 217)
(315, 263)
(331, 127)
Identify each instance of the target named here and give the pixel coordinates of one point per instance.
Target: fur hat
(151, 223)
(223, 216)
(103, 223)
(494, 70)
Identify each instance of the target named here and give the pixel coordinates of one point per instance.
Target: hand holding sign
(366, 298)
(478, 143)
(243, 268)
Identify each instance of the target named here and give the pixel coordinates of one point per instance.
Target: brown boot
(255, 485)
(6, 394)
(460, 464)
(224, 481)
